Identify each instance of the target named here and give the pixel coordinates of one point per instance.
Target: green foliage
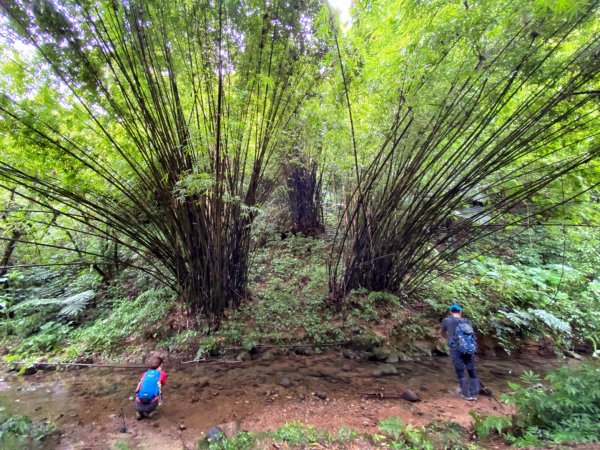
(121, 445)
(289, 289)
(293, 434)
(398, 436)
(185, 340)
(18, 431)
(49, 339)
(567, 409)
(70, 306)
(543, 291)
(40, 296)
(296, 433)
(127, 319)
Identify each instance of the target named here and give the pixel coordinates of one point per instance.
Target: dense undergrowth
(20, 432)
(564, 408)
(546, 293)
(393, 434)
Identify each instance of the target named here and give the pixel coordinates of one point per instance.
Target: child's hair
(155, 362)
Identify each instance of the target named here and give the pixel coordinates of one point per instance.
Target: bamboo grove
(162, 127)
(191, 99)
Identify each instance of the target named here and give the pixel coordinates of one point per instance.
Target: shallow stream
(325, 390)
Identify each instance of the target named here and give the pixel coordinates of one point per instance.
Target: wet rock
(317, 373)
(305, 351)
(385, 370)
(571, 354)
(285, 382)
(346, 368)
(321, 395)
(393, 358)
(201, 382)
(410, 396)
(421, 348)
(243, 356)
(269, 355)
(365, 343)
(29, 370)
(214, 435)
(346, 353)
(231, 428)
(379, 354)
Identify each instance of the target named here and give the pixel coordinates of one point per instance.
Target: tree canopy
(151, 134)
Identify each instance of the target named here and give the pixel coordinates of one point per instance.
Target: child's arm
(137, 389)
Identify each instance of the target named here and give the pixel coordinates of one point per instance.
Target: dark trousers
(145, 407)
(461, 361)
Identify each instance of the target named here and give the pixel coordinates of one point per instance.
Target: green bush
(397, 436)
(566, 409)
(18, 431)
(514, 301)
(139, 318)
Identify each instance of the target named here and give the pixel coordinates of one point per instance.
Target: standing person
(148, 394)
(461, 340)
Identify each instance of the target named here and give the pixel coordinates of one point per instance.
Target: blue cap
(455, 307)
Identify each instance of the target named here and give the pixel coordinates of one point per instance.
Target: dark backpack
(149, 389)
(464, 338)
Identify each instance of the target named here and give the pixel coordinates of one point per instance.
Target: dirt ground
(327, 391)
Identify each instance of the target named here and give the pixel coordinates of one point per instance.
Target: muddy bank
(322, 390)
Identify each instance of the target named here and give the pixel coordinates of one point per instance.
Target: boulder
(214, 435)
(571, 354)
(349, 354)
(305, 351)
(243, 356)
(393, 358)
(321, 395)
(410, 396)
(379, 354)
(285, 382)
(365, 343)
(29, 370)
(385, 370)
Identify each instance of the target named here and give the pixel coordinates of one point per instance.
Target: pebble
(182, 427)
(410, 396)
(285, 382)
(320, 395)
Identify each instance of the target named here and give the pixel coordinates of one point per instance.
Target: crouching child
(148, 394)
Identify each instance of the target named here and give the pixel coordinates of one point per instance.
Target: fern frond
(551, 320)
(75, 304)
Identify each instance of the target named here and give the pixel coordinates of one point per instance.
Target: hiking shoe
(464, 397)
(473, 399)
(138, 415)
